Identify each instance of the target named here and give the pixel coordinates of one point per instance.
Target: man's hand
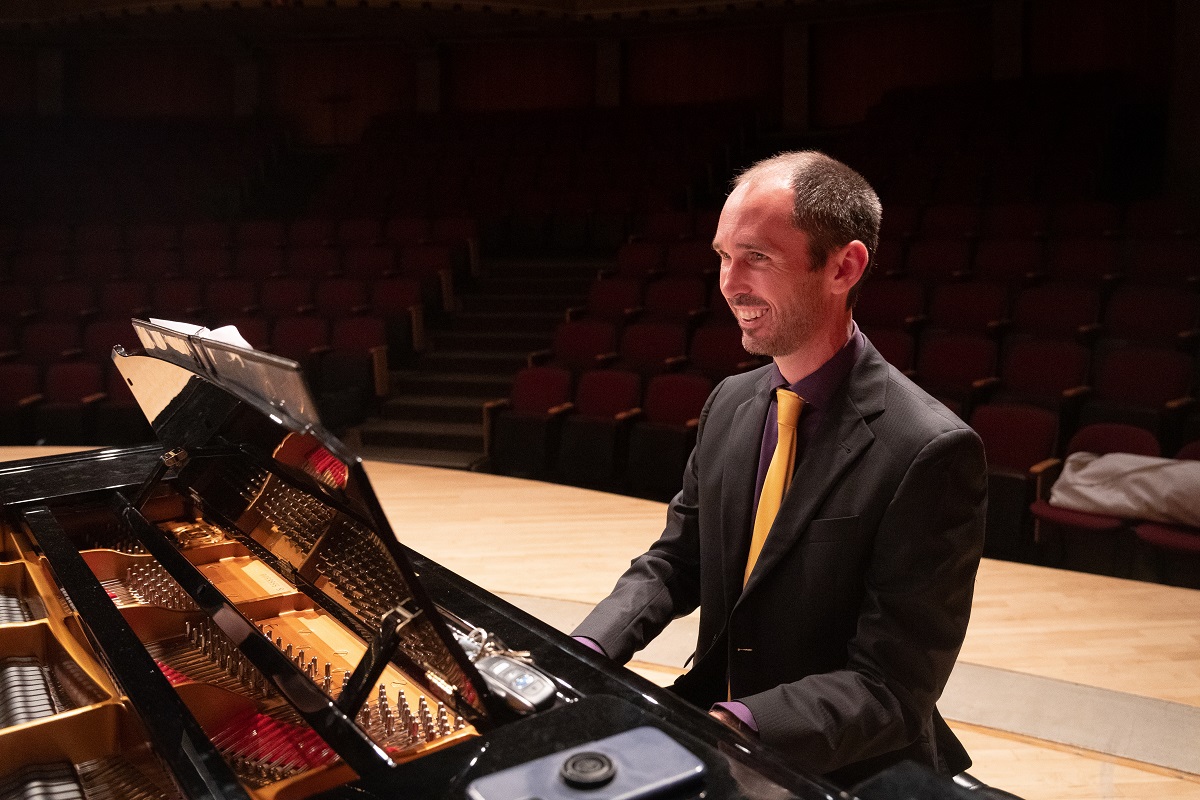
(730, 720)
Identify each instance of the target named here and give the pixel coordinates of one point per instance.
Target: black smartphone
(639, 763)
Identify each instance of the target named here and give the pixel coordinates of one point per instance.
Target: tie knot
(790, 405)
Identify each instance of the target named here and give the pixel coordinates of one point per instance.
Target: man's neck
(804, 362)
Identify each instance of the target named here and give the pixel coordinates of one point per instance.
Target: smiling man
(831, 518)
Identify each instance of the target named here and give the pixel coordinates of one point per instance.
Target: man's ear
(850, 262)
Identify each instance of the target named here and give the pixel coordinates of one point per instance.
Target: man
(833, 639)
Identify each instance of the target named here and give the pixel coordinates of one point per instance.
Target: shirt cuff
(741, 711)
(595, 646)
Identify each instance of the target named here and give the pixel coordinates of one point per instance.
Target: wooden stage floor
(1069, 686)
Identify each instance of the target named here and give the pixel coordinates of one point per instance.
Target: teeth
(746, 315)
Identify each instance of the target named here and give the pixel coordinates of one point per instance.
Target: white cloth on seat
(1133, 487)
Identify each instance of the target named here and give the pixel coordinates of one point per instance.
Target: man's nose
(731, 278)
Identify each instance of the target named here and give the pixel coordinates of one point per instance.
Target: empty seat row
(1016, 261)
(1147, 314)
(608, 428)
(311, 231)
(647, 348)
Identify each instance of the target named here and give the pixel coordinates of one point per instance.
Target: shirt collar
(817, 387)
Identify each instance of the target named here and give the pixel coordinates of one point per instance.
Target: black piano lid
(259, 460)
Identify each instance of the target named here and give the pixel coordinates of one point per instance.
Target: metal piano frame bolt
(358, 688)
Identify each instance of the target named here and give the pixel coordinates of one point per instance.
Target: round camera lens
(588, 770)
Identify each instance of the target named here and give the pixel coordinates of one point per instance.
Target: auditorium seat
(615, 300)
(1086, 218)
(891, 303)
(206, 263)
(368, 262)
(230, 297)
(640, 260)
(1056, 311)
(1083, 540)
(1174, 548)
(1146, 386)
(50, 341)
(1086, 260)
(282, 297)
(663, 435)
(259, 233)
(956, 367)
(579, 346)
(122, 300)
(153, 264)
(313, 261)
(259, 262)
(594, 435)
(100, 336)
(716, 352)
(521, 431)
(152, 236)
(180, 299)
(20, 387)
(649, 348)
(969, 308)
(340, 297)
(99, 236)
(304, 340)
(313, 231)
(205, 235)
(98, 264)
(118, 419)
(694, 259)
(950, 220)
(71, 300)
(352, 379)
(70, 391)
(359, 232)
(937, 260)
(38, 266)
(1011, 261)
(1154, 315)
(1173, 263)
(1017, 440)
(897, 347)
(678, 300)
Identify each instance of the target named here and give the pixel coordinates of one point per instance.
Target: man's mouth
(749, 314)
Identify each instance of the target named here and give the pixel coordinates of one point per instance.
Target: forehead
(758, 213)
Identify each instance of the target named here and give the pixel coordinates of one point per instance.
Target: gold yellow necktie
(779, 474)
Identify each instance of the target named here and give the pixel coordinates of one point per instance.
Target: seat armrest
(379, 370)
(538, 357)
(560, 409)
(1046, 473)
(30, 400)
(93, 398)
(490, 409)
(628, 414)
(1180, 404)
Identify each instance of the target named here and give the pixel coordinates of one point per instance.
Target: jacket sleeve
(917, 601)
(661, 584)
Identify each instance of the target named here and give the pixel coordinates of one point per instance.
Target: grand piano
(227, 614)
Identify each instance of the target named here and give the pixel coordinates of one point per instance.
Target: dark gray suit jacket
(846, 633)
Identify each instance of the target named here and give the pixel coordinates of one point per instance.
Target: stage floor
(1069, 686)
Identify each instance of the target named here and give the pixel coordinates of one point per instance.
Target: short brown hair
(833, 204)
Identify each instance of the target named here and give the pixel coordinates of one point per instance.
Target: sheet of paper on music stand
(227, 333)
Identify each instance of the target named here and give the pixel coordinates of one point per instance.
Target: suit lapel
(843, 436)
(740, 472)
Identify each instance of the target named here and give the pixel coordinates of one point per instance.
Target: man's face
(766, 277)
